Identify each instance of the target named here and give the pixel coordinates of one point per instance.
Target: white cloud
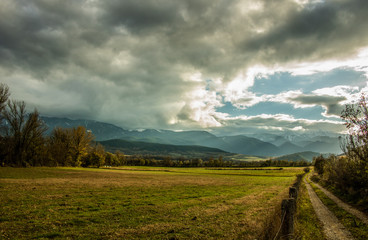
(237, 90)
(281, 122)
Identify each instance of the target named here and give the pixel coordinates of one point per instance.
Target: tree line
(348, 173)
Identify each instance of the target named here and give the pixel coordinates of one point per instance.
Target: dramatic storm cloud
(228, 65)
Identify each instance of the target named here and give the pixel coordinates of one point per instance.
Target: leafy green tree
(121, 158)
(211, 162)
(111, 159)
(142, 162)
(200, 162)
(96, 157)
(319, 164)
(167, 162)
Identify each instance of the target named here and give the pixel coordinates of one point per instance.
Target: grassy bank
(307, 224)
(139, 202)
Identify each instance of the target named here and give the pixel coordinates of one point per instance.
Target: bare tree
(352, 171)
(60, 146)
(4, 95)
(24, 134)
(356, 121)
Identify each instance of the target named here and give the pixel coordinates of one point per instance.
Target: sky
(227, 66)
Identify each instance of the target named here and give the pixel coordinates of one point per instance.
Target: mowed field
(139, 202)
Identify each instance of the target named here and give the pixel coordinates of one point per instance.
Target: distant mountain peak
(265, 144)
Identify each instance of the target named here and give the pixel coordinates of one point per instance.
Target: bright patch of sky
(285, 81)
(273, 108)
(278, 93)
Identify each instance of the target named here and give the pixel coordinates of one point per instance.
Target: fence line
(288, 209)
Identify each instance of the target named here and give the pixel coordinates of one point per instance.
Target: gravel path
(332, 228)
(344, 205)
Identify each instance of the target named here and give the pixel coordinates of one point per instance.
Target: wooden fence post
(288, 208)
(293, 193)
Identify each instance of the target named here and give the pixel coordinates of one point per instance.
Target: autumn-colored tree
(69, 146)
(80, 144)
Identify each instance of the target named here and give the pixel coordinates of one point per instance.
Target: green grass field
(139, 202)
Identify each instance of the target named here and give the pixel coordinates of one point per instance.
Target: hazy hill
(289, 148)
(246, 145)
(131, 147)
(172, 137)
(324, 144)
(306, 156)
(101, 130)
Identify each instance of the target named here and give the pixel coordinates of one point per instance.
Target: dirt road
(344, 205)
(332, 228)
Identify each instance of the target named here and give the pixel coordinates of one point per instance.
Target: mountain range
(264, 145)
(147, 148)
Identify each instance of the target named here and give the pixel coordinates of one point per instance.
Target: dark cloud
(37, 35)
(330, 103)
(128, 62)
(320, 100)
(319, 31)
(139, 15)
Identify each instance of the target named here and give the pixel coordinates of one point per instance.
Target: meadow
(140, 202)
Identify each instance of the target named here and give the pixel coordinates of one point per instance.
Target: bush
(319, 164)
(346, 175)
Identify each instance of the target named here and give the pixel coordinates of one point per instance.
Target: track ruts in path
(332, 228)
(344, 205)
